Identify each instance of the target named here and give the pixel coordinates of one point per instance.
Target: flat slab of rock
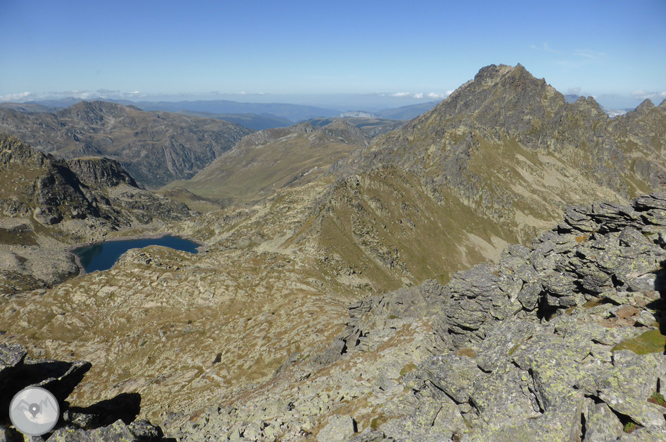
(338, 428)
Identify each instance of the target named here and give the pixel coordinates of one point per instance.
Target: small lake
(103, 256)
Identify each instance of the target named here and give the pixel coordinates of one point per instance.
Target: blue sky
(307, 50)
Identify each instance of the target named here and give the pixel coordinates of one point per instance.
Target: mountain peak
(93, 112)
(304, 128)
(645, 106)
(499, 96)
(492, 73)
(589, 104)
(96, 106)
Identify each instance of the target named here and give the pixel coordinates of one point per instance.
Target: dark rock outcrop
(100, 172)
(71, 201)
(55, 190)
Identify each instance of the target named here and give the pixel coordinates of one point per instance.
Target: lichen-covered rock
(10, 356)
(561, 424)
(601, 424)
(476, 303)
(646, 434)
(116, 432)
(145, 431)
(503, 341)
(452, 374)
(627, 386)
(10, 435)
(338, 428)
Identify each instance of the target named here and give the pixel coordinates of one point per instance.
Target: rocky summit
(492, 270)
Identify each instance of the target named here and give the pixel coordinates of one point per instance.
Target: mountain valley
(477, 273)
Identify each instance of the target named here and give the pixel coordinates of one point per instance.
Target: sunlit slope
(496, 162)
(269, 160)
(505, 105)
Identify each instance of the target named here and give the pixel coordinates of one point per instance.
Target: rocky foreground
(560, 341)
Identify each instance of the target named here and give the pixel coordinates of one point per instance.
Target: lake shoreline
(77, 258)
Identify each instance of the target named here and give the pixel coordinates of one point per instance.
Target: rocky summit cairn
(560, 341)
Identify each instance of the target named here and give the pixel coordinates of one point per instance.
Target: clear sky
(615, 50)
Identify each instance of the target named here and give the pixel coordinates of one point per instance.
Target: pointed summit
(499, 98)
(491, 74)
(590, 106)
(645, 106)
(503, 108)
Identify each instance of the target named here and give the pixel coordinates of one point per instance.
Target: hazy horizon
(341, 102)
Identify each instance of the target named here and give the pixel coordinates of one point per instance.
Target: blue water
(104, 256)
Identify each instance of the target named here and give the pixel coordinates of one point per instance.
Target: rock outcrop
(560, 340)
(100, 172)
(54, 190)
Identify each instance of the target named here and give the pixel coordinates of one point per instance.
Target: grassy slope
(252, 172)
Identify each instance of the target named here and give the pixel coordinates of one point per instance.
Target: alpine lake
(104, 255)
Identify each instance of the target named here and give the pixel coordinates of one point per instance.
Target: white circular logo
(34, 411)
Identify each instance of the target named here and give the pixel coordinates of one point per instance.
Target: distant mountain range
(292, 112)
(571, 98)
(258, 115)
(155, 147)
(407, 112)
(360, 114)
(29, 108)
(251, 121)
